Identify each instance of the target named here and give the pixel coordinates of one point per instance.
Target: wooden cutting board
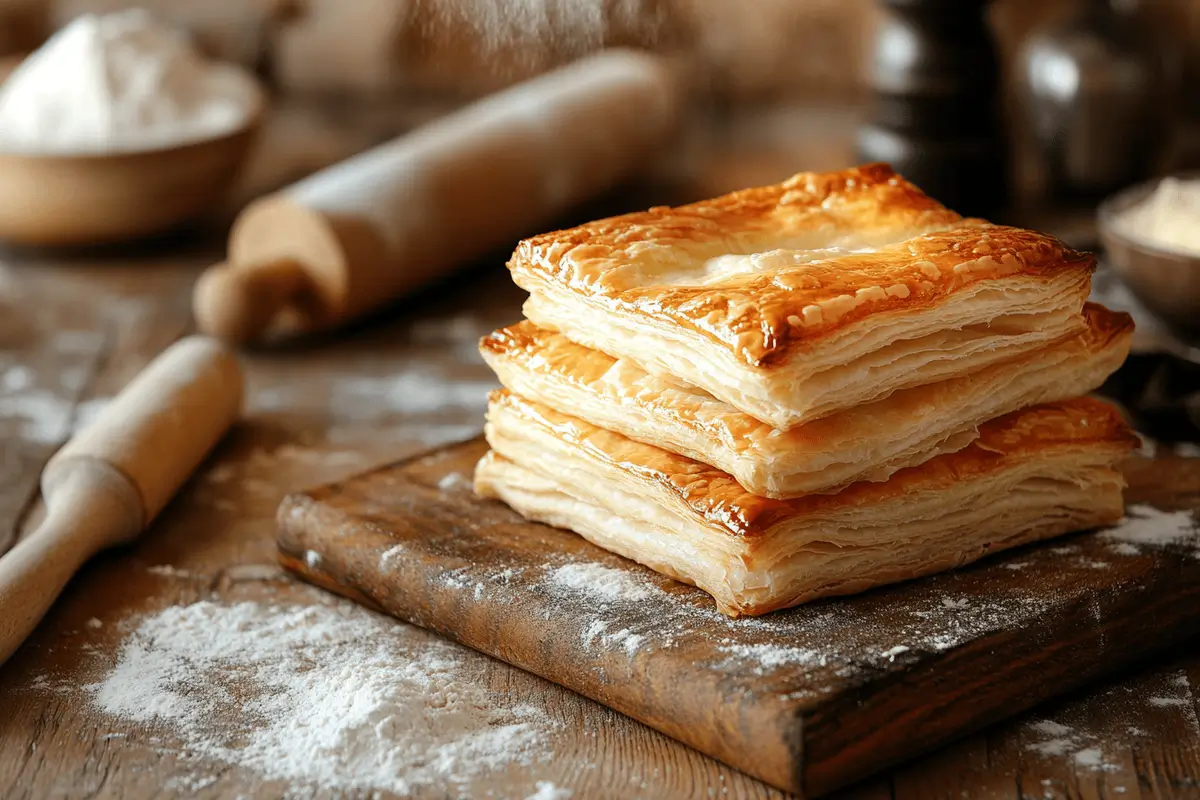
(808, 699)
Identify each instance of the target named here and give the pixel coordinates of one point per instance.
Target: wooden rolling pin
(361, 233)
(111, 480)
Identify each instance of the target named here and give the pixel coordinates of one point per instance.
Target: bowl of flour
(1151, 235)
(117, 128)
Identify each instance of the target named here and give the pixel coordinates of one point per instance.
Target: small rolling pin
(363, 232)
(111, 480)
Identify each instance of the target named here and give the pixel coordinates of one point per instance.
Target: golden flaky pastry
(1032, 474)
(791, 302)
(868, 442)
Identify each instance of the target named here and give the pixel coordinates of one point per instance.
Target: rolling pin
(363, 232)
(111, 480)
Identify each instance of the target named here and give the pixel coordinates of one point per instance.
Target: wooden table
(73, 330)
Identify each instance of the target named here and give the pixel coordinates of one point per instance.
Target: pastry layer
(868, 442)
(790, 302)
(1032, 474)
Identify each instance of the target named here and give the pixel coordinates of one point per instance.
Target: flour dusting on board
(1147, 526)
(766, 657)
(454, 482)
(548, 791)
(599, 582)
(328, 696)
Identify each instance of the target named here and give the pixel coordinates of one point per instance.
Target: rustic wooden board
(807, 700)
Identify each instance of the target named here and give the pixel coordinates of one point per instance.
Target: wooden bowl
(58, 199)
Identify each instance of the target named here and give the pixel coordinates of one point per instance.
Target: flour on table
(455, 482)
(41, 416)
(1186, 449)
(1056, 740)
(598, 582)
(16, 378)
(548, 791)
(1145, 525)
(329, 696)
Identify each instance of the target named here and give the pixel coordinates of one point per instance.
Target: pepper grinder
(935, 114)
(1094, 92)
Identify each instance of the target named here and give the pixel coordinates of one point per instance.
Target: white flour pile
(119, 82)
(330, 696)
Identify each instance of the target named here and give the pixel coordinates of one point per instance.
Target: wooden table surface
(74, 329)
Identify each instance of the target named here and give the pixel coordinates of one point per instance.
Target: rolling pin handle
(237, 304)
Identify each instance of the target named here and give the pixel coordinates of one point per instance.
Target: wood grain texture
(807, 699)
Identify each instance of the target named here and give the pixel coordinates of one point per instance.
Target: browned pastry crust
(868, 442)
(760, 295)
(1032, 474)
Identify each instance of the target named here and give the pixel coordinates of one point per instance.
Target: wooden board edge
(1093, 655)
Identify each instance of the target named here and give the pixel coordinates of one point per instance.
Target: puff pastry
(868, 442)
(1032, 474)
(793, 301)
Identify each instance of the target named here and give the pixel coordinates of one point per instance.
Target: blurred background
(384, 65)
(1029, 112)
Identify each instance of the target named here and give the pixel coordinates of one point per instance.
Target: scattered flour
(95, 623)
(312, 559)
(1145, 525)
(41, 416)
(764, 658)
(456, 578)
(548, 791)
(16, 378)
(390, 553)
(325, 696)
(1187, 449)
(1061, 741)
(626, 639)
(455, 482)
(594, 629)
(599, 582)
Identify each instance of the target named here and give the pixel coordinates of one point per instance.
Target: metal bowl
(1166, 282)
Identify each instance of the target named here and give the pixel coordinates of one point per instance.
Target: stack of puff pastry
(806, 389)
